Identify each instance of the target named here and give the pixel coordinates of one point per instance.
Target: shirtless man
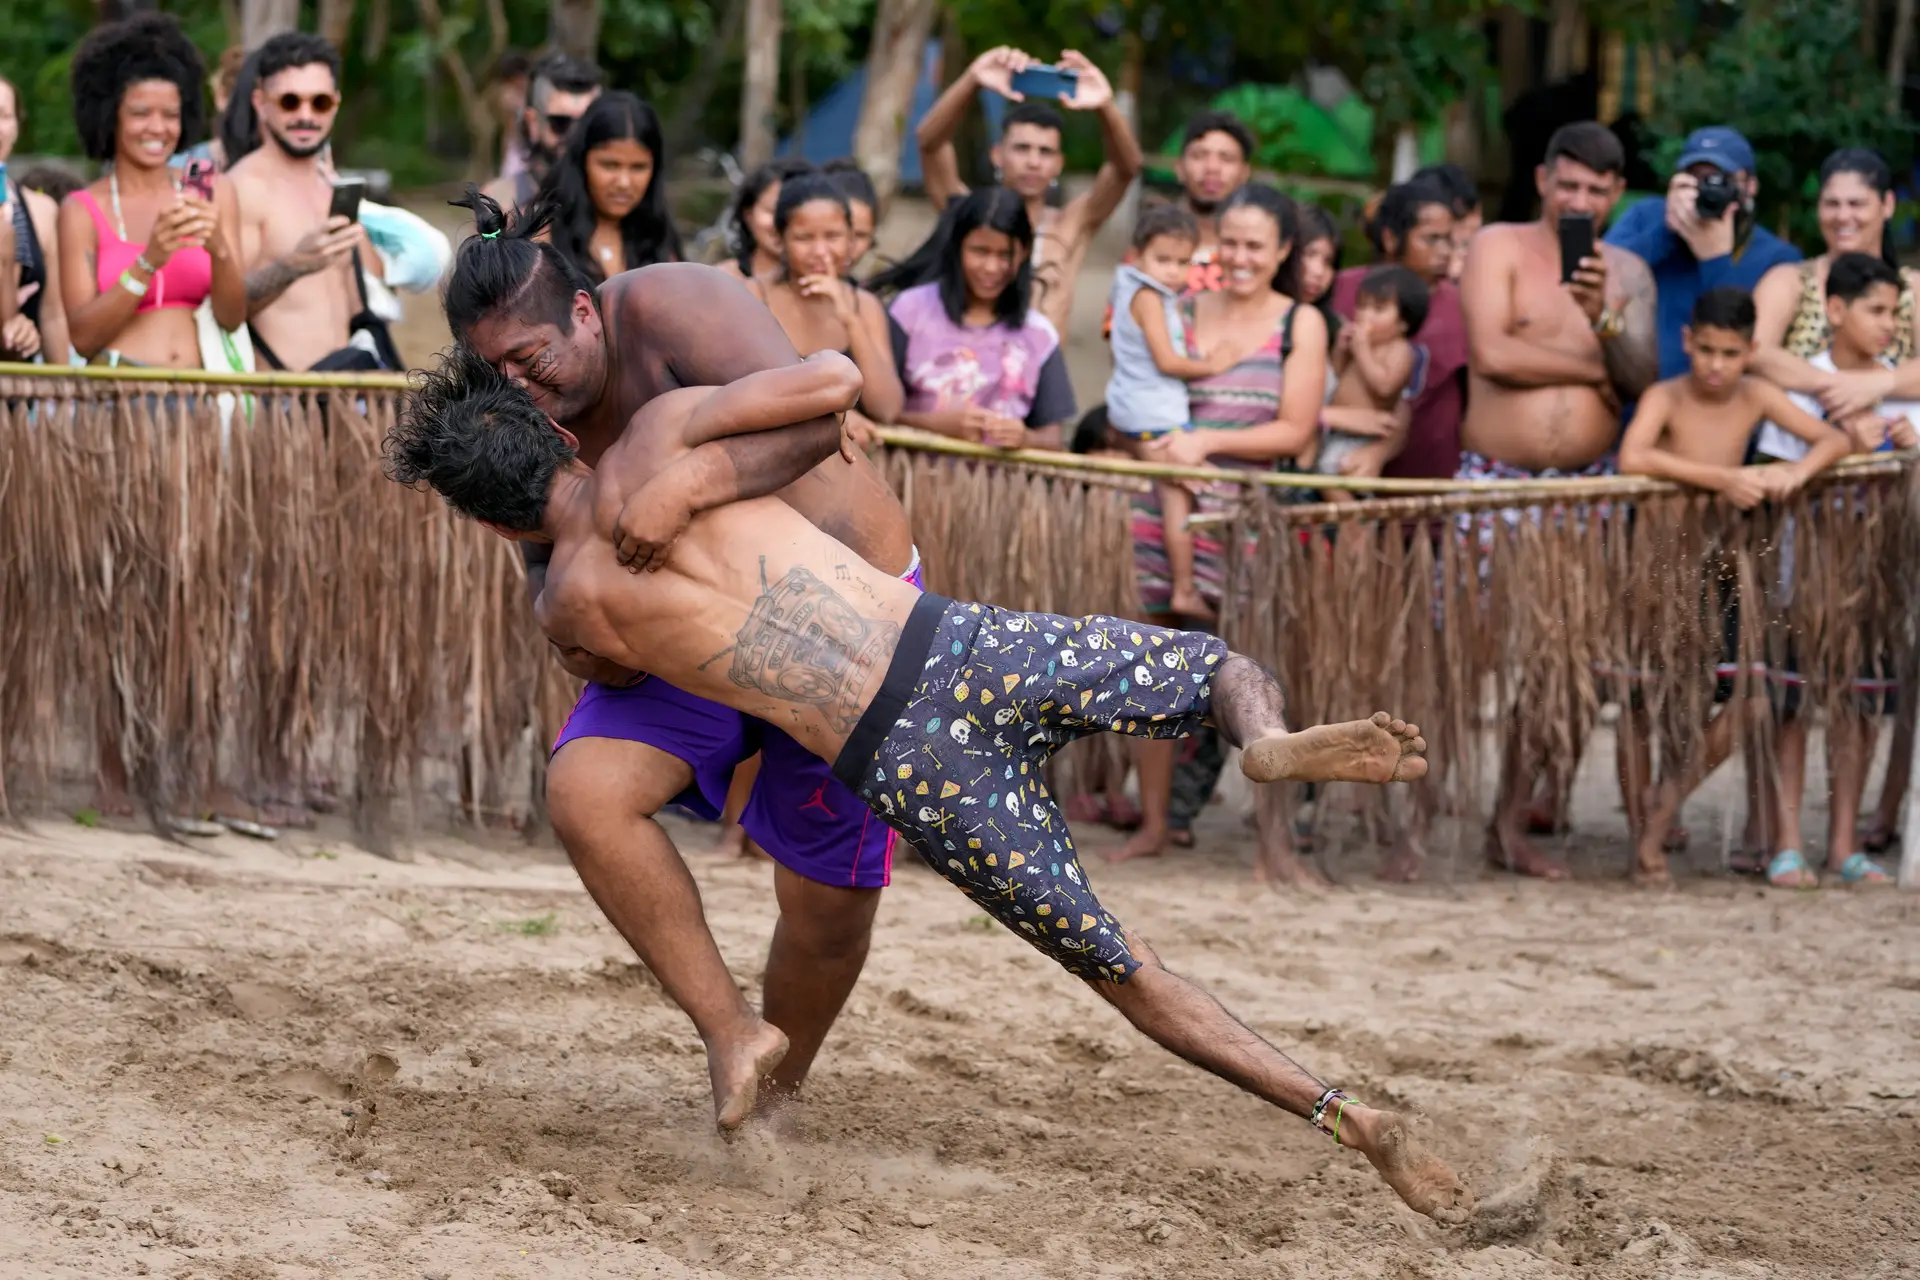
(1549, 365)
(630, 749)
(939, 714)
(1029, 160)
(301, 291)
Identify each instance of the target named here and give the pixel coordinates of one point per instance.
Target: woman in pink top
(137, 253)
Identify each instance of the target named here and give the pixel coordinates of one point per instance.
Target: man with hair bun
(634, 744)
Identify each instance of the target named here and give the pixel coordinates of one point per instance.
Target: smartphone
(1046, 82)
(3, 181)
(198, 179)
(347, 194)
(1576, 242)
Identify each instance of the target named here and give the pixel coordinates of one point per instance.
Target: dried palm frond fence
(208, 587)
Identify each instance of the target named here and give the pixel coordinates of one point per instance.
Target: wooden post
(573, 27)
(262, 18)
(760, 89)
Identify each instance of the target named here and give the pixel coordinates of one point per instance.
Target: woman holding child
(1259, 412)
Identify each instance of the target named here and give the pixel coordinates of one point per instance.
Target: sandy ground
(237, 1061)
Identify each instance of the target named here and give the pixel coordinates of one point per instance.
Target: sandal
(1789, 870)
(1860, 869)
(1879, 839)
(1747, 862)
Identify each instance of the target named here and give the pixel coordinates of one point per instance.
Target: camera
(1715, 195)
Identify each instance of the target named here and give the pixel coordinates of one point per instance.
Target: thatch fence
(207, 587)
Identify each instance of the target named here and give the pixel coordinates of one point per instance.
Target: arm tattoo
(266, 283)
(1633, 358)
(804, 642)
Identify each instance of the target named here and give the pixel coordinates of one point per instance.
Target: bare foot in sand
(1415, 1173)
(1147, 842)
(1514, 852)
(1284, 869)
(1189, 603)
(1650, 847)
(1406, 864)
(1378, 750)
(737, 1070)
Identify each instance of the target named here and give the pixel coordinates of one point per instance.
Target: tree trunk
(373, 37)
(1897, 53)
(573, 28)
(759, 91)
(690, 104)
(482, 126)
(899, 45)
(336, 21)
(262, 18)
(1133, 65)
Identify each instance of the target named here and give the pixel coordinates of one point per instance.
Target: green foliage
(1790, 76)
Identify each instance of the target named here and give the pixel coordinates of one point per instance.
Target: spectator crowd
(1684, 340)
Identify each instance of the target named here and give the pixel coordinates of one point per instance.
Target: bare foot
(1284, 869)
(1650, 847)
(1521, 856)
(1379, 750)
(1147, 842)
(1420, 1178)
(1406, 864)
(737, 1071)
(1189, 603)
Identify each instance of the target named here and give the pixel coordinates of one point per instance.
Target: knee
(830, 923)
(590, 797)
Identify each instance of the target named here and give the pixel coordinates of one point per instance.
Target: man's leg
(1153, 760)
(819, 946)
(1508, 846)
(602, 795)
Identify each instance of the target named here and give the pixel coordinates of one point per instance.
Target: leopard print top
(1809, 334)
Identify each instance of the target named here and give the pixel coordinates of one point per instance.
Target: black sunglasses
(322, 102)
(560, 124)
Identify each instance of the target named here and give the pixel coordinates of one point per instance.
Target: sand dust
(237, 1061)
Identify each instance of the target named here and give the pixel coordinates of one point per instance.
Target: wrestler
(634, 745)
(1549, 366)
(941, 714)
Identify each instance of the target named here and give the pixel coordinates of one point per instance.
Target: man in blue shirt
(1691, 254)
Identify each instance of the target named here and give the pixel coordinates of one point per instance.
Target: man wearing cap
(1691, 253)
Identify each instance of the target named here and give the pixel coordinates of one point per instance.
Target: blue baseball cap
(1719, 146)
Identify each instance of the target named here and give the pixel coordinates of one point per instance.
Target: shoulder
(1309, 326)
(668, 288)
(1041, 329)
(1774, 250)
(42, 209)
(1625, 261)
(912, 304)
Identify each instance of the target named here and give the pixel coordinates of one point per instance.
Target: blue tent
(828, 131)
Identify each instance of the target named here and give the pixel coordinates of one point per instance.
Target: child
(1694, 430)
(1863, 315)
(1375, 362)
(1147, 394)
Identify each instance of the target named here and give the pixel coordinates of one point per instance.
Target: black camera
(1715, 196)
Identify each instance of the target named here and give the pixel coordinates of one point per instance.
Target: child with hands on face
(1367, 419)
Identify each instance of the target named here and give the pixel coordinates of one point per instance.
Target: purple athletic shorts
(802, 815)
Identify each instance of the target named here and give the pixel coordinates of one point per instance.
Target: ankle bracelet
(1332, 1101)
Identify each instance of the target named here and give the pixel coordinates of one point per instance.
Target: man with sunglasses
(303, 293)
(562, 90)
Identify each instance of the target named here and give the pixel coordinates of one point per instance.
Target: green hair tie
(489, 235)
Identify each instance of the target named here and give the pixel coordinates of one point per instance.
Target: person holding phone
(138, 253)
(1028, 159)
(305, 255)
(34, 322)
(1560, 334)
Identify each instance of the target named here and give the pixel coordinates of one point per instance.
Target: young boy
(1694, 430)
(1374, 364)
(1147, 394)
(1863, 315)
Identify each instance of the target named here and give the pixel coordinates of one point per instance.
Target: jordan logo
(819, 802)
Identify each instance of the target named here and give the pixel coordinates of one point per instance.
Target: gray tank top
(1140, 398)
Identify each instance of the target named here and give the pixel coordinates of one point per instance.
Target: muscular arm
(1494, 350)
(1633, 358)
(825, 383)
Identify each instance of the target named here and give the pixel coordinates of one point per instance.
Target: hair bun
(488, 219)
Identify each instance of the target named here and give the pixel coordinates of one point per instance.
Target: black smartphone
(1576, 242)
(347, 194)
(198, 178)
(1045, 82)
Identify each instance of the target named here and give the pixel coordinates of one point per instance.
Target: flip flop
(1788, 862)
(1747, 862)
(1860, 869)
(184, 826)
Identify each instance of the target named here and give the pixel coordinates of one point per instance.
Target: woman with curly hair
(608, 198)
(137, 251)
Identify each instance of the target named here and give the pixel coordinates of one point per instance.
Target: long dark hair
(804, 189)
(647, 233)
(740, 241)
(938, 259)
(1871, 168)
(1286, 216)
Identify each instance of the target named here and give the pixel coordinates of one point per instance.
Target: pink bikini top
(185, 281)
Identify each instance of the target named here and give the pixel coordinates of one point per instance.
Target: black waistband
(896, 687)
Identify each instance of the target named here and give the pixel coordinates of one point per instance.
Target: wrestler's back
(1565, 427)
(756, 609)
(671, 314)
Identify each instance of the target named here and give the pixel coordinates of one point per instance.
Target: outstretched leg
(1248, 707)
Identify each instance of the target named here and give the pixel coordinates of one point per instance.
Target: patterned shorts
(949, 753)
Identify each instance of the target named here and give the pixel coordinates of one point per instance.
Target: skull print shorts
(974, 702)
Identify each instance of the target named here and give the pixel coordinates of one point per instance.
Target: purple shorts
(803, 816)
